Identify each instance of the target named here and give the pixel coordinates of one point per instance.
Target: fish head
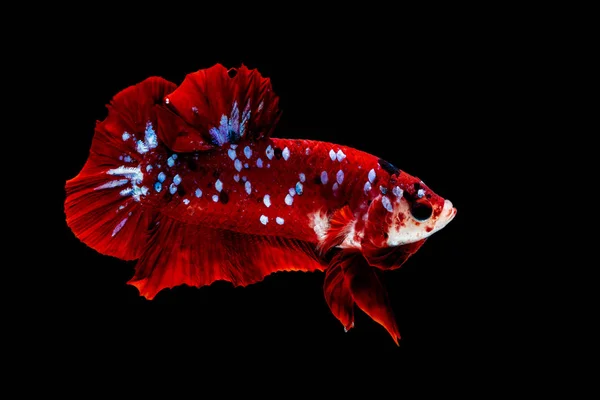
(399, 220)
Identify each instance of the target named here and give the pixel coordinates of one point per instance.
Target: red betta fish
(189, 181)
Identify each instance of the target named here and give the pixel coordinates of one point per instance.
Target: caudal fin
(102, 205)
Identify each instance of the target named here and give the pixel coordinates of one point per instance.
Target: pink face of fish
(400, 218)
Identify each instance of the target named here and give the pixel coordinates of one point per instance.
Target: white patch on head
(177, 179)
(215, 198)
(324, 178)
(198, 193)
(247, 152)
(219, 185)
(372, 175)
(172, 188)
(367, 187)
(285, 154)
(248, 187)
(279, 220)
(231, 153)
(411, 230)
(289, 200)
(302, 177)
(126, 136)
(387, 204)
(332, 155)
(270, 152)
(340, 155)
(236, 178)
(397, 191)
(238, 164)
(292, 192)
(259, 163)
(340, 177)
(267, 200)
(421, 193)
(186, 201)
(264, 219)
(162, 177)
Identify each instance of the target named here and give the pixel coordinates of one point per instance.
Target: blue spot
(198, 193)
(299, 188)
(126, 135)
(172, 188)
(162, 177)
(186, 201)
(151, 139)
(157, 186)
(170, 161)
(141, 147)
(177, 179)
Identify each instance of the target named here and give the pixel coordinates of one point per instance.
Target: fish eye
(421, 210)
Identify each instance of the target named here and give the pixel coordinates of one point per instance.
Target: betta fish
(189, 181)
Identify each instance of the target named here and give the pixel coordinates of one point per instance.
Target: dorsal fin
(220, 108)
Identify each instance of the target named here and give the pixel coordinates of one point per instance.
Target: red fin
(179, 253)
(390, 258)
(222, 109)
(349, 280)
(177, 135)
(337, 293)
(101, 205)
(340, 224)
(370, 295)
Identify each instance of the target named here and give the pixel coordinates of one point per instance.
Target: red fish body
(189, 181)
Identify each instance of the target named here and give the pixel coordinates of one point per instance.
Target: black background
(420, 101)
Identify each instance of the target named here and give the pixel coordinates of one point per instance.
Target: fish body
(189, 181)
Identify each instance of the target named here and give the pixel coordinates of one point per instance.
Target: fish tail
(104, 203)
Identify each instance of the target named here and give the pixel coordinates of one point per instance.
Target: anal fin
(179, 253)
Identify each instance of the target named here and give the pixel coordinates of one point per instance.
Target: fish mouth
(448, 213)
